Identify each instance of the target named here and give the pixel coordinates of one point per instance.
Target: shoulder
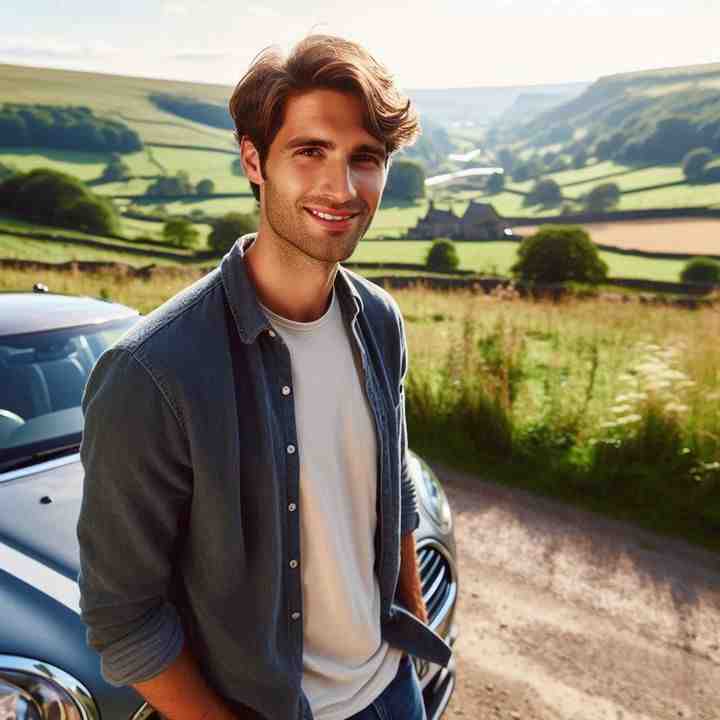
(170, 318)
(164, 347)
(378, 303)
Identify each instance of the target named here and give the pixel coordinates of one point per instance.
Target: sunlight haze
(452, 44)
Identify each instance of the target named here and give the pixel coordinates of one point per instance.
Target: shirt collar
(242, 297)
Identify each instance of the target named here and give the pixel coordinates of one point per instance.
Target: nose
(339, 182)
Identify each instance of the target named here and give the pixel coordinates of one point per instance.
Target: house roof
(479, 212)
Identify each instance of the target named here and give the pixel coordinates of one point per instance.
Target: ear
(250, 159)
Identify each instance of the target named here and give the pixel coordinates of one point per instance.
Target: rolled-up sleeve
(138, 482)
(409, 516)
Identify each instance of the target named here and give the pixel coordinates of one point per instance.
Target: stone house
(480, 221)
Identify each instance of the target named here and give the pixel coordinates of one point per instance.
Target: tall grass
(610, 405)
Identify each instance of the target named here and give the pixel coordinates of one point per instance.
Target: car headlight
(431, 492)
(34, 690)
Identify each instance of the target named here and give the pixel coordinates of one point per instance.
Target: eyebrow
(305, 141)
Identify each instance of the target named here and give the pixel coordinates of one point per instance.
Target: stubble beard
(291, 224)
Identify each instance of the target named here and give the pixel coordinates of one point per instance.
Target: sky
(452, 43)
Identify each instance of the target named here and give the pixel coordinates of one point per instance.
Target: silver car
(48, 345)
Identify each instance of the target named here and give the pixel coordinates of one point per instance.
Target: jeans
(401, 700)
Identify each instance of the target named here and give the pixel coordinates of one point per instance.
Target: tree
(558, 253)
(545, 192)
(6, 171)
(227, 229)
(55, 198)
(205, 187)
(701, 270)
(506, 158)
(405, 181)
(442, 256)
(181, 233)
(527, 170)
(496, 183)
(116, 170)
(178, 185)
(580, 159)
(694, 163)
(236, 167)
(91, 215)
(602, 197)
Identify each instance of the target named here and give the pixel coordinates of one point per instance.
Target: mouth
(332, 221)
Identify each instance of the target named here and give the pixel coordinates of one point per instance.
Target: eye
(310, 152)
(367, 158)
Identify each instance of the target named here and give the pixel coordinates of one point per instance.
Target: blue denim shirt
(190, 512)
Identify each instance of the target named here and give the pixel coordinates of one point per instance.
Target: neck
(288, 282)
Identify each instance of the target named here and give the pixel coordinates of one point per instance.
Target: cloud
(262, 11)
(51, 47)
(201, 55)
(175, 9)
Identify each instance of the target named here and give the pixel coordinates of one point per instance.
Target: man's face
(323, 160)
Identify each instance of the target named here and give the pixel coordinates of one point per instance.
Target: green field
(118, 97)
(497, 257)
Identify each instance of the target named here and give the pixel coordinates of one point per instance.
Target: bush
(227, 229)
(559, 253)
(116, 170)
(405, 181)
(694, 163)
(181, 233)
(54, 198)
(701, 270)
(91, 215)
(545, 192)
(442, 256)
(496, 183)
(205, 187)
(602, 197)
(6, 171)
(179, 184)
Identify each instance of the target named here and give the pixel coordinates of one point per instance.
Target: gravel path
(566, 615)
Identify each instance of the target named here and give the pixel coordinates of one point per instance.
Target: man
(247, 519)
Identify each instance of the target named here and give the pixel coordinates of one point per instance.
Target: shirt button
(290, 449)
(292, 507)
(271, 333)
(295, 616)
(285, 390)
(293, 564)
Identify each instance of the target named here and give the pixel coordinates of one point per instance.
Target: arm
(409, 587)
(138, 481)
(181, 693)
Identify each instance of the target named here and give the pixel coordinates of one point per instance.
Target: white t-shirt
(346, 664)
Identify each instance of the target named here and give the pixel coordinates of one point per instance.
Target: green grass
(680, 196)
(200, 164)
(57, 251)
(118, 97)
(61, 249)
(83, 165)
(497, 258)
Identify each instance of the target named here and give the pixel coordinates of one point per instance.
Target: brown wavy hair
(319, 61)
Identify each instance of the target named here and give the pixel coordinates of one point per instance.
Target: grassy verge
(608, 406)
(611, 407)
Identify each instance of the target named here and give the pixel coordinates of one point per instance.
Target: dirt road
(567, 615)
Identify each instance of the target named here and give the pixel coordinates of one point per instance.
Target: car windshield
(42, 378)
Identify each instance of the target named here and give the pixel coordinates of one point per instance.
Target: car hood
(39, 513)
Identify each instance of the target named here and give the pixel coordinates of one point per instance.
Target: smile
(330, 217)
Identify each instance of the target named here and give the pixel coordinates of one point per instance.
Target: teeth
(325, 216)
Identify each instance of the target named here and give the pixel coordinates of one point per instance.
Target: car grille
(436, 579)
